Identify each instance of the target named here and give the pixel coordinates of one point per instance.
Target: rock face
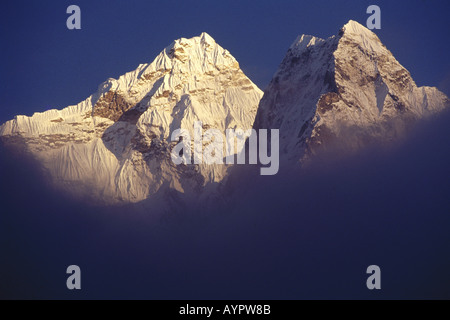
(348, 88)
(115, 146)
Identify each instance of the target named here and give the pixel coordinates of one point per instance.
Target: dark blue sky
(44, 65)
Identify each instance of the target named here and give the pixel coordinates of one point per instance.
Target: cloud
(300, 234)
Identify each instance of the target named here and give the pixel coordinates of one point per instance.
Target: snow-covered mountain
(115, 146)
(348, 89)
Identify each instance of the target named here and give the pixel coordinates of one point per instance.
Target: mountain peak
(304, 41)
(351, 32)
(202, 51)
(354, 32)
(325, 89)
(206, 38)
(202, 40)
(116, 145)
(354, 27)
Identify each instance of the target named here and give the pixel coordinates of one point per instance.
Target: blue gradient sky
(45, 65)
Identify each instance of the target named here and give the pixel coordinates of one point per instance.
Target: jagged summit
(355, 27)
(304, 41)
(197, 55)
(354, 32)
(349, 82)
(204, 39)
(351, 31)
(116, 144)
